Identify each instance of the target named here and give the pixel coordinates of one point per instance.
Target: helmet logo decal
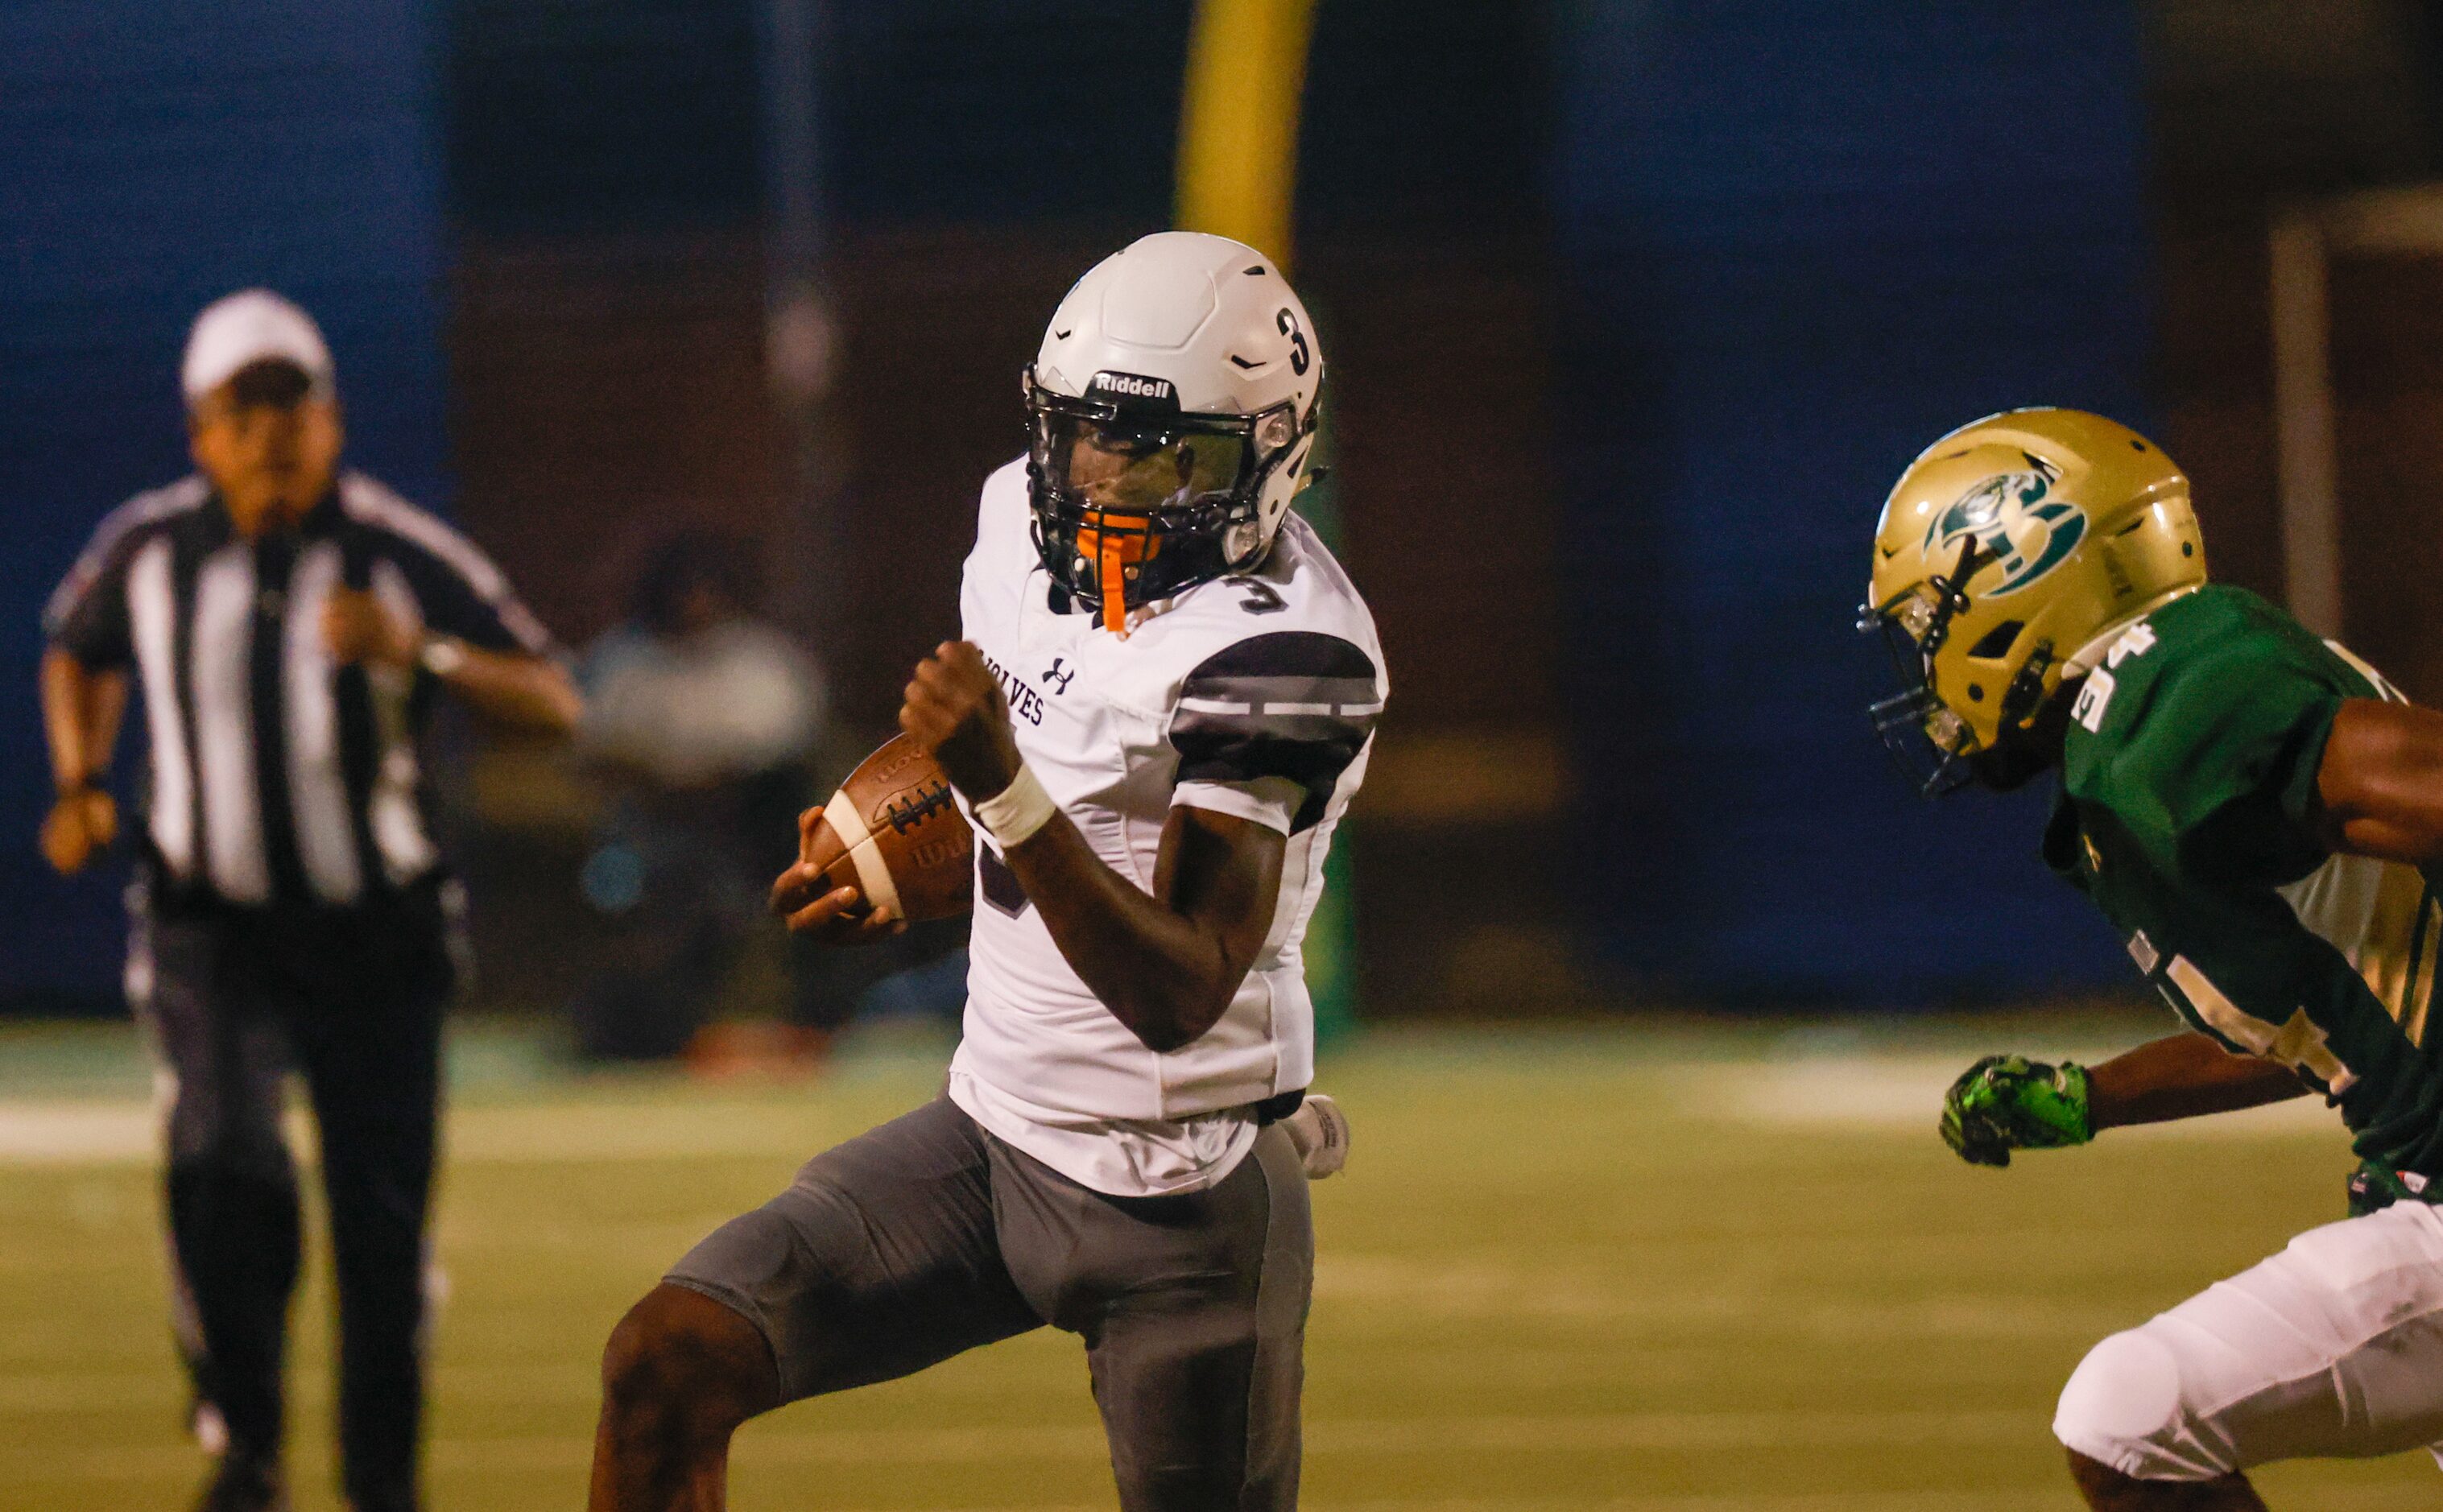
(1134, 391)
(2013, 517)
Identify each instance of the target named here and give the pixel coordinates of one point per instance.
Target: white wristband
(441, 655)
(1013, 814)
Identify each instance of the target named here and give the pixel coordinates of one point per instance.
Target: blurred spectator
(694, 694)
(701, 719)
(708, 723)
(704, 721)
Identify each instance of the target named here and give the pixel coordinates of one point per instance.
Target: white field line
(76, 1133)
(2047, 1493)
(769, 1446)
(1461, 1291)
(1903, 1092)
(1983, 1499)
(1980, 1500)
(1896, 1093)
(97, 1132)
(2053, 1493)
(772, 1445)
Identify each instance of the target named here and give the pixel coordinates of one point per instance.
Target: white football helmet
(1171, 414)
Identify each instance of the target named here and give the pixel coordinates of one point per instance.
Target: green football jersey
(2188, 811)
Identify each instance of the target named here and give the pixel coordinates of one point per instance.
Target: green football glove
(2006, 1102)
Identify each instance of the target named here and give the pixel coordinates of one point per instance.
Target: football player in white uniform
(1163, 703)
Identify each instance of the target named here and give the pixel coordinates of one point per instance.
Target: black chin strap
(1950, 600)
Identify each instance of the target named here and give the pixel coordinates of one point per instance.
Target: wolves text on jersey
(1024, 702)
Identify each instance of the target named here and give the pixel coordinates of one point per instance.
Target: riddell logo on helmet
(1131, 386)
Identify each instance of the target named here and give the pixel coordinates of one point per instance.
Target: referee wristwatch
(442, 655)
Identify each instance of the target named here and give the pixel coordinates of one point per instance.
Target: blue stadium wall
(153, 154)
(1800, 242)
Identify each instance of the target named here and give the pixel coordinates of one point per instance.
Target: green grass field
(1663, 1268)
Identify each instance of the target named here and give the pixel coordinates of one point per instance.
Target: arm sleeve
(2218, 772)
(1274, 717)
(1273, 802)
(87, 616)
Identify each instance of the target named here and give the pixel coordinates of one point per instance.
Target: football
(893, 833)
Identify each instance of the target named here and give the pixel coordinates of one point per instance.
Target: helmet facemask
(1129, 493)
(1936, 747)
(1929, 744)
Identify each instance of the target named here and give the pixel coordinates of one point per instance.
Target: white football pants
(2331, 1349)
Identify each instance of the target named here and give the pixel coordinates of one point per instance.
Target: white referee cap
(249, 326)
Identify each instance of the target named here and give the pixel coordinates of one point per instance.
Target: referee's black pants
(352, 999)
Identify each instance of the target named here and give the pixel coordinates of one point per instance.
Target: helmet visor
(1136, 467)
(1134, 503)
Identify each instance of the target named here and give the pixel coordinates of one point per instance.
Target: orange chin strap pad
(1113, 576)
(1127, 540)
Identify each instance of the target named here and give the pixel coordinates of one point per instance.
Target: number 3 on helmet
(1171, 415)
(2008, 557)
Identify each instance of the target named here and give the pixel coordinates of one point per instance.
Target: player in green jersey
(2254, 810)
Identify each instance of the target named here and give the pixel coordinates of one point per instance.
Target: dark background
(1634, 311)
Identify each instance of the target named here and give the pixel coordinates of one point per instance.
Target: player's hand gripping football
(2006, 1102)
(954, 708)
(833, 916)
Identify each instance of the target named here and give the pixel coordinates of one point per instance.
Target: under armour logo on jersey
(1058, 678)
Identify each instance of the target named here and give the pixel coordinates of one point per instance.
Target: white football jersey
(1256, 696)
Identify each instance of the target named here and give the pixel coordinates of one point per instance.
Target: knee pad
(2125, 1406)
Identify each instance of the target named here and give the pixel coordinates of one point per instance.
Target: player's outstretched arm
(2006, 1102)
(518, 688)
(2183, 1076)
(1166, 963)
(531, 693)
(2380, 782)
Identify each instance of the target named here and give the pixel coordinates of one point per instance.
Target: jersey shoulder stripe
(120, 530)
(1299, 704)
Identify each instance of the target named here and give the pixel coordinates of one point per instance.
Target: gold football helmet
(2008, 553)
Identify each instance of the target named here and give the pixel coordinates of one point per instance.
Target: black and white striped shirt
(278, 777)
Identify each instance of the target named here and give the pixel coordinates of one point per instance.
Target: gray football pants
(927, 1237)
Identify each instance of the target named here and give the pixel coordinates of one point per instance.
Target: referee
(286, 626)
